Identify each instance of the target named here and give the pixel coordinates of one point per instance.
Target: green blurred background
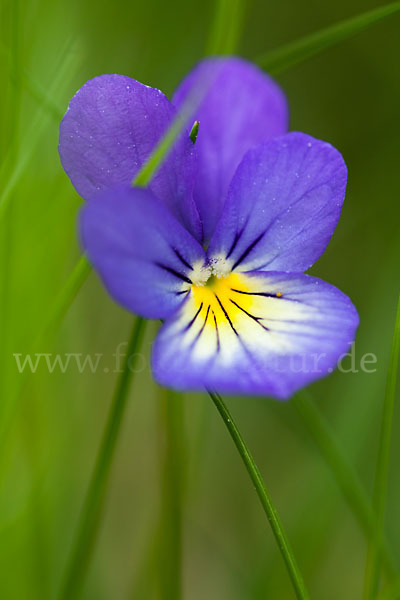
(51, 423)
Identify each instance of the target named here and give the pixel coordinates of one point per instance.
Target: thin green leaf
(372, 575)
(84, 542)
(165, 145)
(35, 90)
(162, 149)
(32, 136)
(60, 308)
(11, 172)
(300, 50)
(67, 295)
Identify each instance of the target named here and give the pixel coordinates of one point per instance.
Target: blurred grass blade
(89, 521)
(372, 575)
(227, 24)
(269, 509)
(300, 50)
(344, 473)
(36, 92)
(11, 140)
(225, 34)
(391, 591)
(10, 175)
(33, 134)
(16, 67)
(67, 295)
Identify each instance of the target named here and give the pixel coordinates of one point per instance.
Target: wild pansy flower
(216, 246)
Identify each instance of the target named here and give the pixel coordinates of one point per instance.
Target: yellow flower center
(222, 299)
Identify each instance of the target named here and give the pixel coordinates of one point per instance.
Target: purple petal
(283, 205)
(242, 108)
(264, 333)
(111, 126)
(142, 253)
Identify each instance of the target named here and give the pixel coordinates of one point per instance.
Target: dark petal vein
(265, 294)
(226, 314)
(188, 326)
(202, 327)
(217, 332)
(238, 235)
(183, 260)
(175, 273)
(248, 250)
(256, 319)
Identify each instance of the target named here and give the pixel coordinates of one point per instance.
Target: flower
(216, 246)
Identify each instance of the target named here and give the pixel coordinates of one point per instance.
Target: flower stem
(90, 517)
(382, 468)
(269, 509)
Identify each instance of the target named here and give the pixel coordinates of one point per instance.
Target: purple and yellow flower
(217, 245)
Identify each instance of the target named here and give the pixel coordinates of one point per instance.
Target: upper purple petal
(143, 254)
(283, 205)
(242, 108)
(112, 124)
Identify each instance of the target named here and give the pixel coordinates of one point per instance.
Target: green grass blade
(224, 36)
(83, 547)
(10, 175)
(162, 149)
(391, 591)
(227, 23)
(165, 145)
(344, 473)
(269, 509)
(300, 50)
(32, 136)
(67, 295)
(57, 314)
(12, 142)
(35, 91)
(372, 575)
